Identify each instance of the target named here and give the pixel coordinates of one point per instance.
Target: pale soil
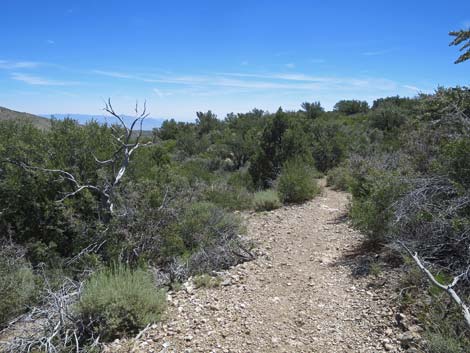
(297, 296)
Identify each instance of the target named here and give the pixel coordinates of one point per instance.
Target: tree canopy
(462, 37)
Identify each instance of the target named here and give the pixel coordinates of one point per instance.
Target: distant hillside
(40, 122)
(44, 123)
(149, 123)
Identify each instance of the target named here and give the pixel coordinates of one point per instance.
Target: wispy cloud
(114, 74)
(290, 65)
(11, 65)
(294, 81)
(317, 61)
(244, 63)
(50, 41)
(162, 93)
(283, 53)
(40, 81)
(413, 88)
(324, 80)
(377, 52)
(210, 84)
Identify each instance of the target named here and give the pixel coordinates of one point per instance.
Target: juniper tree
(462, 37)
(312, 110)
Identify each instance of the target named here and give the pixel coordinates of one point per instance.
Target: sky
(226, 56)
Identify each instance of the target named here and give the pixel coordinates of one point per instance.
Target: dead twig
(449, 288)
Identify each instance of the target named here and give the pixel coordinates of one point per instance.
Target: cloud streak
(12, 65)
(243, 89)
(262, 82)
(413, 88)
(40, 81)
(377, 52)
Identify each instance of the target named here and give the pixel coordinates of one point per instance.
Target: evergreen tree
(312, 110)
(462, 36)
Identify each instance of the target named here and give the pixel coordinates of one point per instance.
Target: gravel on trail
(298, 295)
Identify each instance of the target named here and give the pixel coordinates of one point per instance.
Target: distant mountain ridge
(38, 121)
(43, 121)
(148, 124)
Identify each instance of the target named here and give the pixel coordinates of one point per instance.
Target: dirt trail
(296, 297)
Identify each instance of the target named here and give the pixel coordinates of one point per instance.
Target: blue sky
(185, 56)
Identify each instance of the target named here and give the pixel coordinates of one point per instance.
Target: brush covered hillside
(103, 225)
(12, 115)
(265, 176)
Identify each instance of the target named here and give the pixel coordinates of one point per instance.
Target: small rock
(226, 282)
(408, 338)
(415, 329)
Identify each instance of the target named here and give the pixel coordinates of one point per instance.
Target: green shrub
(372, 211)
(212, 239)
(388, 117)
(196, 170)
(456, 160)
(229, 197)
(296, 183)
(339, 178)
(266, 200)
(17, 284)
(241, 178)
(350, 107)
(282, 139)
(438, 343)
(329, 143)
(119, 301)
(206, 281)
(203, 223)
(172, 245)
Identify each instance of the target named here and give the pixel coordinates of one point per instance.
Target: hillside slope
(8, 114)
(45, 123)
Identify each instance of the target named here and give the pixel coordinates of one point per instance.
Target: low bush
(211, 238)
(456, 160)
(206, 281)
(17, 284)
(119, 301)
(296, 183)
(329, 144)
(372, 213)
(229, 197)
(437, 343)
(339, 178)
(241, 178)
(202, 223)
(387, 118)
(266, 200)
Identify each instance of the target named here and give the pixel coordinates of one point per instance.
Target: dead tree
(128, 140)
(449, 288)
(127, 143)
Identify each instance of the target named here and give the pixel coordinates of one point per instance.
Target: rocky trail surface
(298, 296)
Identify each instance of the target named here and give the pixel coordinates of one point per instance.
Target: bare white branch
(449, 288)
